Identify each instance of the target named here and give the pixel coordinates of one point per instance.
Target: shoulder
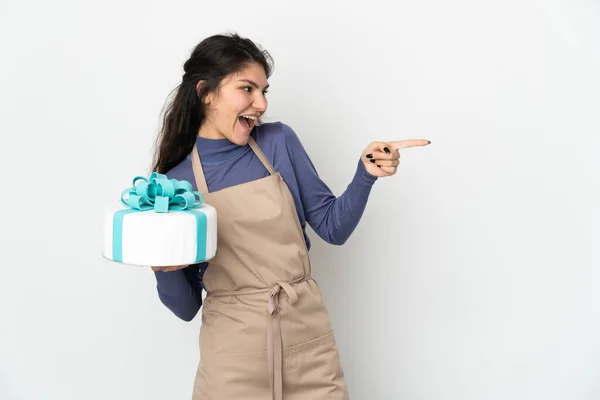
(182, 170)
(277, 133)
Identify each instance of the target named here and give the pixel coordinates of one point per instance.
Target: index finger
(403, 144)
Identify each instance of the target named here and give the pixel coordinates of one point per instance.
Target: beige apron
(265, 331)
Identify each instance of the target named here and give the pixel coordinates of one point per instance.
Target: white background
(474, 272)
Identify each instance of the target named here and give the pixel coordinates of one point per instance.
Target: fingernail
(429, 141)
(369, 155)
(379, 166)
(372, 160)
(386, 150)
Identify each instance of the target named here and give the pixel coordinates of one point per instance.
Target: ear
(209, 97)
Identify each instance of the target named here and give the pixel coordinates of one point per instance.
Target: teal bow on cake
(162, 195)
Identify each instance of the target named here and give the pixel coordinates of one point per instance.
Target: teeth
(249, 117)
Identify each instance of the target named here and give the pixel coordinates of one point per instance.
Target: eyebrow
(252, 83)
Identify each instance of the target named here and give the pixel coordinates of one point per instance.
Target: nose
(260, 103)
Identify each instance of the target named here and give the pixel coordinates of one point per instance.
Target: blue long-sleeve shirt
(226, 164)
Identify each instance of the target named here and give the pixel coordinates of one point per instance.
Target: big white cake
(154, 225)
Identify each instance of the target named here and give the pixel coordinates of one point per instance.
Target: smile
(248, 121)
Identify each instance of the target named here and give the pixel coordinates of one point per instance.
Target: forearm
(178, 294)
(336, 218)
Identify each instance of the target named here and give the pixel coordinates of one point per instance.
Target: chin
(240, 140)
(239, 135)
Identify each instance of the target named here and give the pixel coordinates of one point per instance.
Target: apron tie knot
(274, 296)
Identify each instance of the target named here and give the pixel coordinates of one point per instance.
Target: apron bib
(265, 331)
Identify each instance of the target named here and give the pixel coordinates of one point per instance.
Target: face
(233, 111)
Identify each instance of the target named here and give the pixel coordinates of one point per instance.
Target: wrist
(364, 176)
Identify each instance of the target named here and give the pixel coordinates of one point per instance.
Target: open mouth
(248, 121)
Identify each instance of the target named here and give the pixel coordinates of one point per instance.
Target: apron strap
(261, 156)
(198, 172)
(274, 343)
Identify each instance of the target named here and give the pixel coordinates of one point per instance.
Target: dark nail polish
(379, 166)
(372, 160)
(369, 155)
(429, 141)
(386, 150)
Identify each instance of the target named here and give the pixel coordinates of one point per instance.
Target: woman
(265, 330)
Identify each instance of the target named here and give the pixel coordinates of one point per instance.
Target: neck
(208, 131)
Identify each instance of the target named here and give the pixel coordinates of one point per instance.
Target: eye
(249, 89)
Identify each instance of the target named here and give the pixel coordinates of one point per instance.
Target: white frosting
(160, 239)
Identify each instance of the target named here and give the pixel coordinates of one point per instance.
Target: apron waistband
(274, 342)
